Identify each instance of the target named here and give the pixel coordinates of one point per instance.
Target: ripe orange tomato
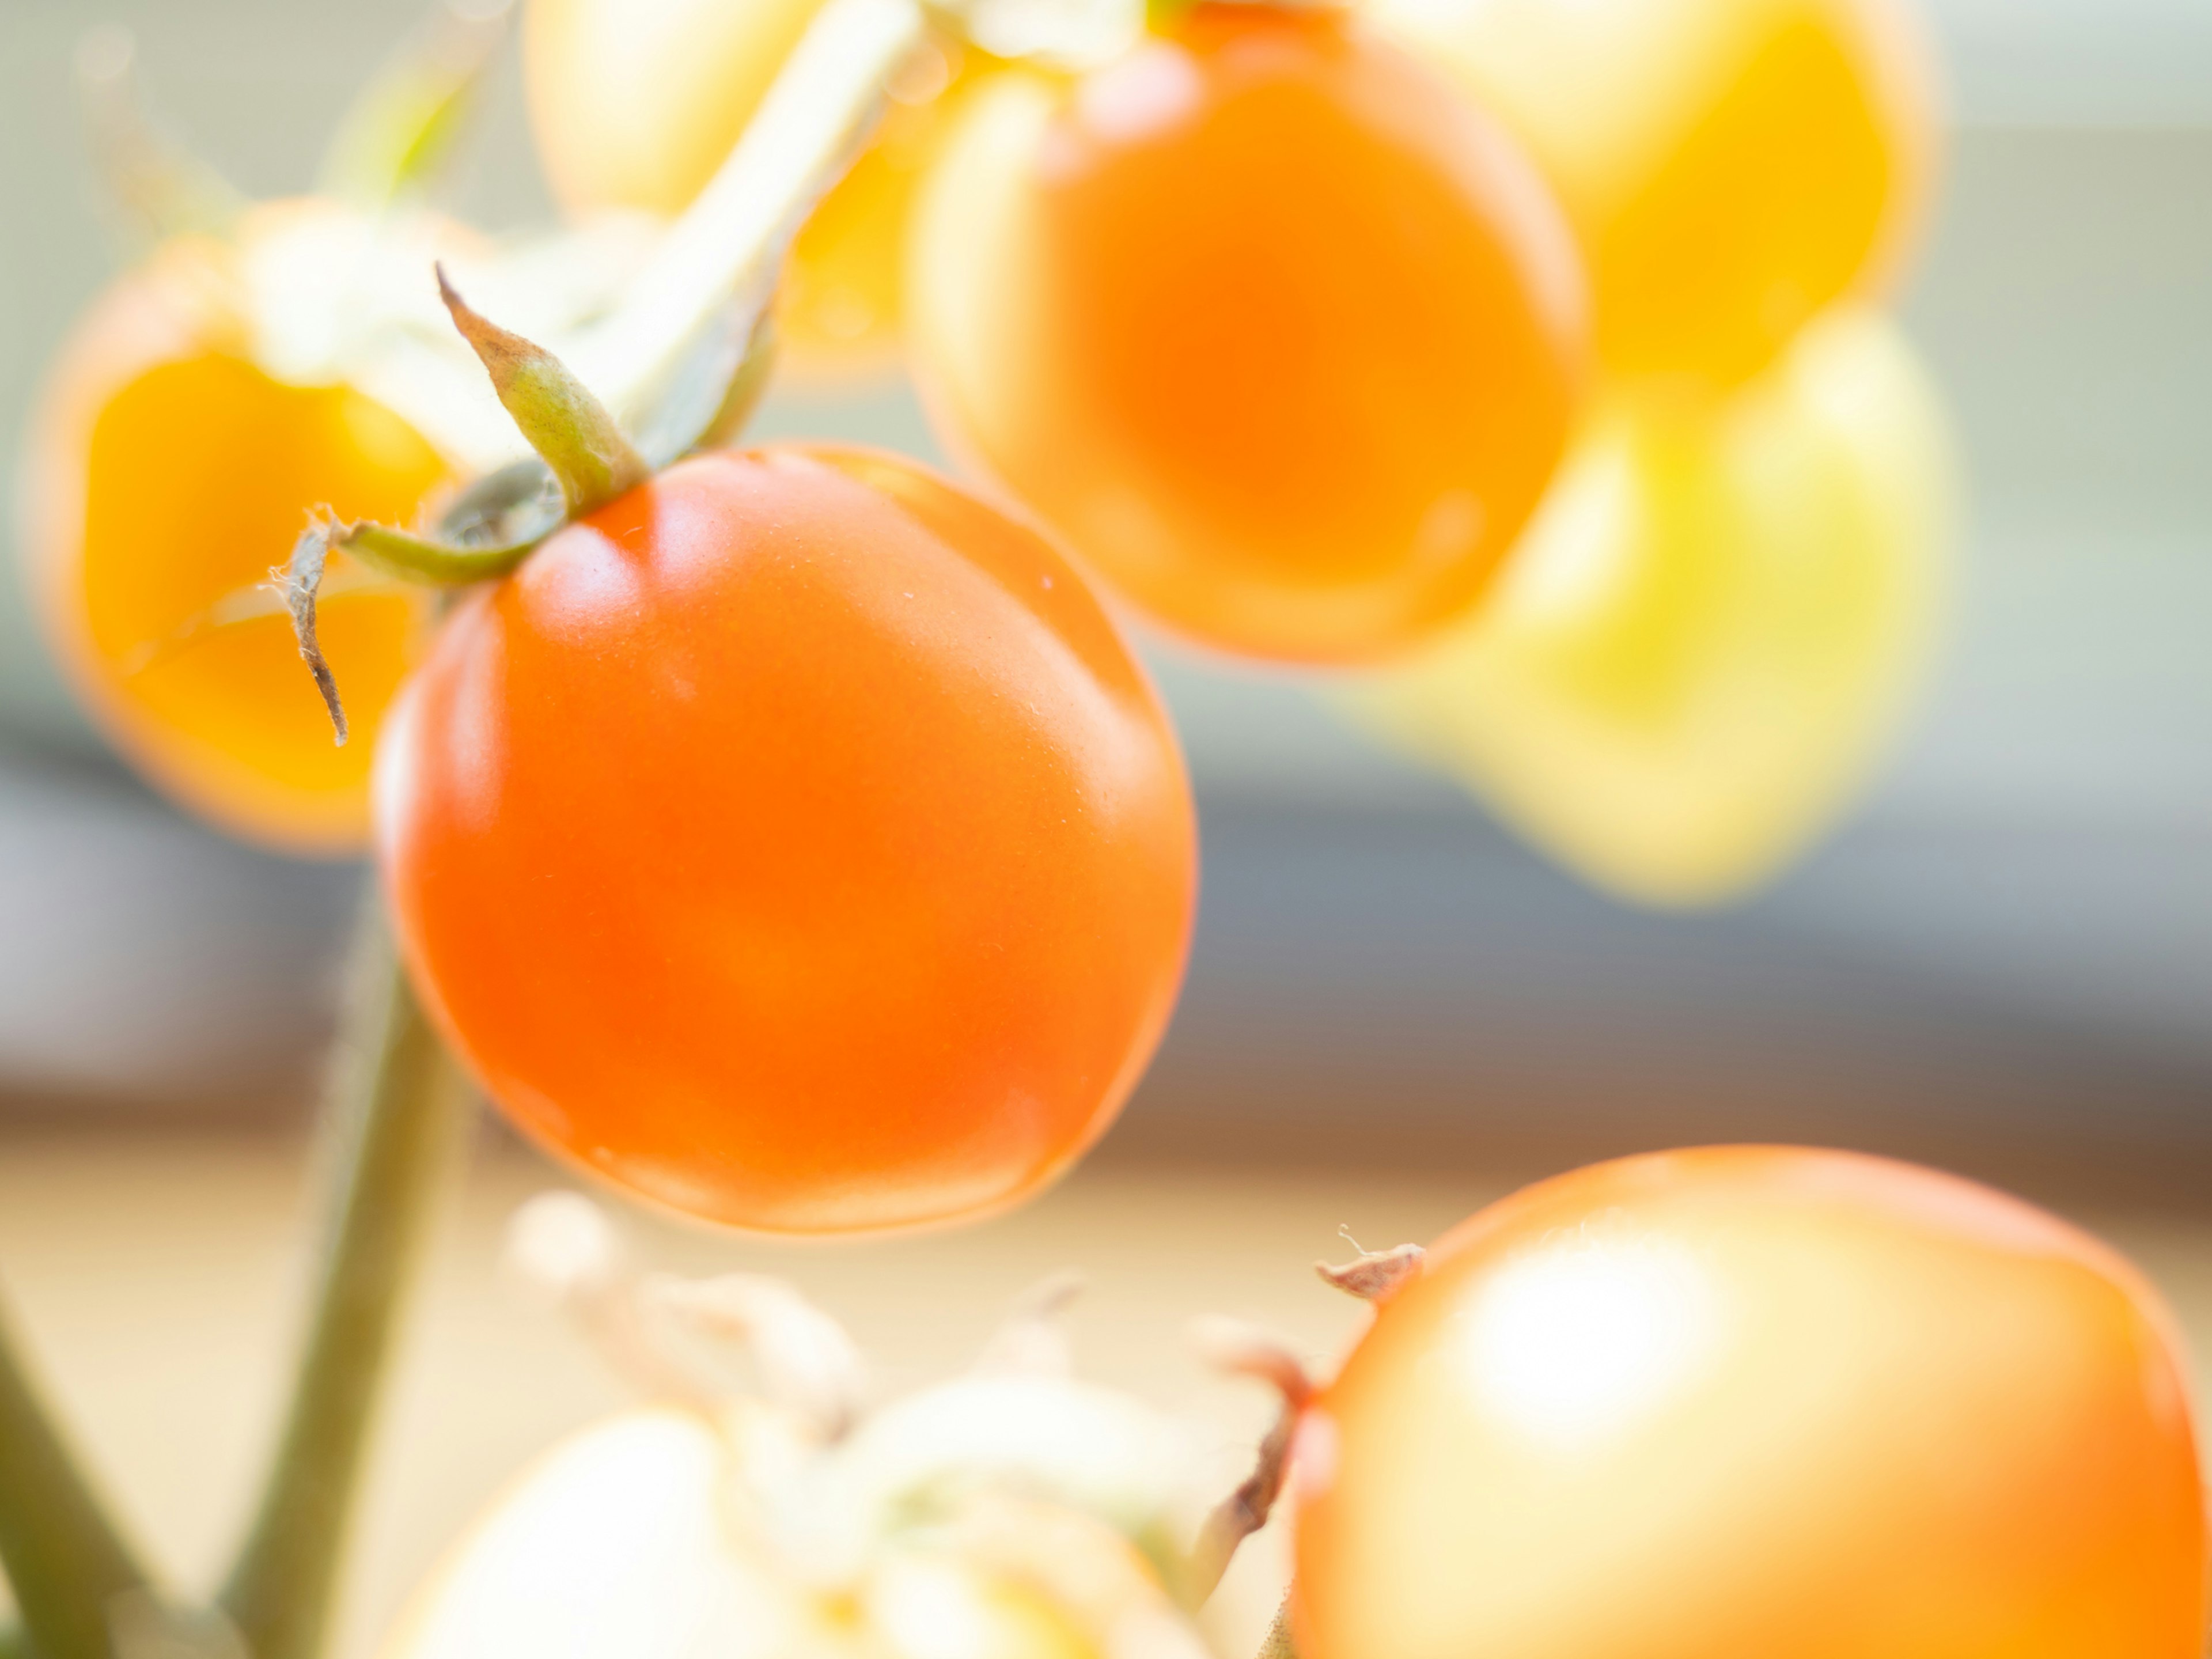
(1279, 332)
(1733, 167)
(1754, 1401)
(795, 842)
(166, 472)
(635, 106)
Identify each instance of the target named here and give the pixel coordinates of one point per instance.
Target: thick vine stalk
(397, 1105)
(65, 1561)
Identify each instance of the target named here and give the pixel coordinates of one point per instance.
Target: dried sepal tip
(1245, 1350)
(1374, 1275)
(298, 582)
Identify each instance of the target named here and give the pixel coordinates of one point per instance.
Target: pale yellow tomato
(666, 1534)
(1749, 1402)
(635, 103)
(1733, 167)
(1709, 631)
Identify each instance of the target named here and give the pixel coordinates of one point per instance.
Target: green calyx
(591, 458)
(584, 461)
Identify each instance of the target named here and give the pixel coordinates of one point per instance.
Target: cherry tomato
(635, 106)
(1272, 326)
(1733, 167)
(795, 842)
(672, 1533)
(167, 473)
(1712, 628)
(1745, 1402)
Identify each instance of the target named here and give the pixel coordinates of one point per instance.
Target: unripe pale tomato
(1733, 167)
(669, 1534)
(167, 472)
(1273, 325)
(794, 841)
(1746, 1402)
(635, 106)
(1711, 629)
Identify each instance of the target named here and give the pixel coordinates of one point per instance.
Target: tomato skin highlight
(1771, 1400)
(795, 842)
(166, 472)
(1273, 325)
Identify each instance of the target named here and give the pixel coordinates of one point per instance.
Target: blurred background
(2002, 961)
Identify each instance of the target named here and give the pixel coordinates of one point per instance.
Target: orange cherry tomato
(1270, 323)
(1745, 1402)
(1733, 167)
(795, 842)
(167, 475)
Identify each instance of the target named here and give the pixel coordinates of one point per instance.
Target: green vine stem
(397, 1105)
(65, 1561)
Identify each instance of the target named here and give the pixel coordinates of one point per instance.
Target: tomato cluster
(790, 836)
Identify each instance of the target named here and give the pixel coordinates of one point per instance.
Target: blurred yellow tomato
(1705, 637)
(1733, 167)
(636, 102)
(1751, 1401)
(167, 473)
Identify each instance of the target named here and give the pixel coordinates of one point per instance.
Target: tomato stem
(65, 1561)
(713, 274)
(395, 1111)
(1278, 1645)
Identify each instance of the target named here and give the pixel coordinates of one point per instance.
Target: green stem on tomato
(396, 1109)
(65, 1561)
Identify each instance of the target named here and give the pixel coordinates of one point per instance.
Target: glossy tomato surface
(1270, 323)
(1744, 1402)
(166, 474)
(1733, 167)
(1713, 627)
(796, 842)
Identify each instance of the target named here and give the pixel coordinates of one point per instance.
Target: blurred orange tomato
(167, 473)
(1275, 328)
(795, 842)
(1733, 167)
(636, 105)
(1746, 1402)
(1713, 628)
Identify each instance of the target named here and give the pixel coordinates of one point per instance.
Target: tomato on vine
(1752, 1401)
(1733, 167)
(1269, 323)
(791, 838)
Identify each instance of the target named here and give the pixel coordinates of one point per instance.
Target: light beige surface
(157, 1281)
